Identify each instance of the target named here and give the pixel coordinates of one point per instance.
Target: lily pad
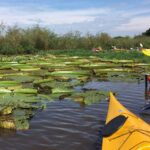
(99, 71)
(99, 65)
(81, 72)
(66, 75)
(18, 100)
(3, 90)
(89, 97)
(62, 90)
(26, 91)
(7, 122)
(57, 87)
(21, 78)
(24, 67)
(21, 118)
(10, 85)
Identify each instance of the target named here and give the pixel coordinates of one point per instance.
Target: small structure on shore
(97, 49)
(114, 48)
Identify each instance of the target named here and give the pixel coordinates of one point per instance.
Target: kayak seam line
(130, 133)
(138, 144)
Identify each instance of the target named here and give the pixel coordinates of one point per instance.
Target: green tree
(147, 32)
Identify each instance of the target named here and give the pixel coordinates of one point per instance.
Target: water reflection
(146, 107)
(7, 132)
(147, 88)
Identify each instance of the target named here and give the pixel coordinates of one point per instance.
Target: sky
(115, 17)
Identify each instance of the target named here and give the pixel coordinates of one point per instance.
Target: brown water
(66, 125)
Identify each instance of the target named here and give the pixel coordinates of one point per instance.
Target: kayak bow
(124, 130)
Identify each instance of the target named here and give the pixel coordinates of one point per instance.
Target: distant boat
(146, 52)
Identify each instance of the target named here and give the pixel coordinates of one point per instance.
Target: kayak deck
(133, 134)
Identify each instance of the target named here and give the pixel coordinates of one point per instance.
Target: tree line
(15, 40)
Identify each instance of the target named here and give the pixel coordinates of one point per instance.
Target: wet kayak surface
(67, 125)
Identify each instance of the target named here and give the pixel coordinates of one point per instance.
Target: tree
(147, 32)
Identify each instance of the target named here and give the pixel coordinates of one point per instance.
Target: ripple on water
(66, 125)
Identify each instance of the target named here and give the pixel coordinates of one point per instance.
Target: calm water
(66, 125)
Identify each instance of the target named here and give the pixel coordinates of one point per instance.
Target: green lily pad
(99, 71)
(18, 100)
(89, 97)
(66, 75)
(99, 65)
(54, 96)
(122, 61)
(7, 122)
(24, 67)
(37, 82)
(20, 108)
(62, 90)
(5, 110)
(81, 72)
(57, 87)
(3, 90)
(10, 85)
(21, 78)
(26, 91)
(22, 124)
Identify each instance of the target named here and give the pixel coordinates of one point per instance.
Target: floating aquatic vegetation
(22, 78)
(66, 68)
(21, 118)
(3, 90)
(18, 100)
(142, 64)
(7, 122)
(25, 91)
(24, 67)
(80, 72)
(54, 84)
(99, 71)
(62, 90)
(122, 61)
(5, 110)
(51, 97)
(39, 73)
(124, 77)
(34, 81)
(16, 105)
(53, 66)
(77, 62)
(56, 87)
(10, 85)
(100, 65)
(89, 97)
(37, 82)
(7, 65)
(66, 75)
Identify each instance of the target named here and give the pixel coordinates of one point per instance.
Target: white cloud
(48, 17)
(137, 24)
(110, 20)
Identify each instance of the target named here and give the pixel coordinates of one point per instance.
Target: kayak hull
(134, 134)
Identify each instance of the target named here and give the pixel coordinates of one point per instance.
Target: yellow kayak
(124, 130)
(146, 52)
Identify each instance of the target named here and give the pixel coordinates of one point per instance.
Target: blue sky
(116, 17)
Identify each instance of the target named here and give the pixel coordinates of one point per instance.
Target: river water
(66, 125)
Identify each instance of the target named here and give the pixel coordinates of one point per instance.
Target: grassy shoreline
(135, 56)
(119, 55)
